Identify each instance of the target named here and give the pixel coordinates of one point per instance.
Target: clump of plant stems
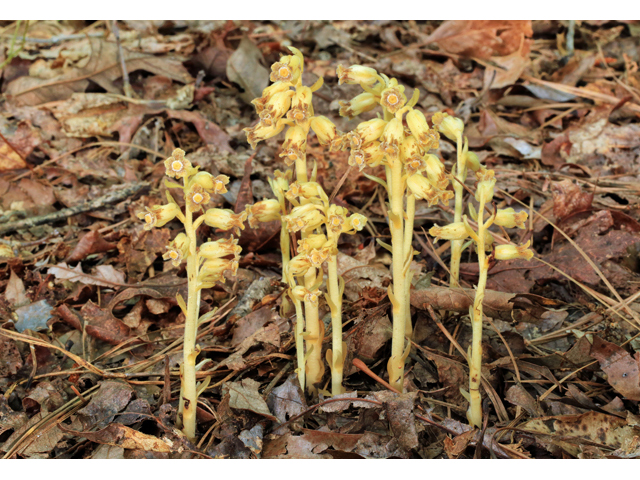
(303, 206)
(206, 264)
(460, 231)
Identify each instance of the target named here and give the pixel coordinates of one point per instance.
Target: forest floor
(90, 329)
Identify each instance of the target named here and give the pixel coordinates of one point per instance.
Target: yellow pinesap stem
(396, 217)
(474, 414)
(189, 397)
(314, 335)
(300, 343)
(458, 188)
(335, 295)
(408, 255)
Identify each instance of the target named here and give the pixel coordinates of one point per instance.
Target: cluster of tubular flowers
(206, 265)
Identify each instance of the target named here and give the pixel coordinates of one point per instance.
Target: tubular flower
(424, 189)
(268, 93)
(301, 105)
(305, 190)
(508, 218)
(280, 183)
(373, 156)
(355, 223)
(317, 257)
(324, 129)
(159, 215)
(453, 231)
(288, 69)
(356, 75)
(260, 132)
(225, 219)
(177, 250)
(357, 159)
(295, 145)
(336, 218)
(410, 148)
(364, 102)
(196, 198)
(392, 138)
(177, 166)
(305, 217)
(220, 248)
(312, 242)
(393, 97)
(472, 161)
(366, 132)
(276, 107)
(420, 128)
(213, 269)
(303, 294)
(435, 171)
(298, 265)
(266, 210)
(450, 127)
(512, 252)
(486, 183)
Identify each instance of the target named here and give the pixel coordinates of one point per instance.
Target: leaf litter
(91, 323)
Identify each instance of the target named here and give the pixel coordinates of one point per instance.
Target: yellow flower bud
(220, 248)
(159, 215)
(366, 132)
(210, 183)
(453, 231)
(418, 125)
(177, 250)
(424, 189)
(305, 217)
(364, 102)
(393, 97)
(295, 145)
(435, 171)
(260, 132)
(324, 129)
(356, 75)
(512, 252)
(392, 138)
(450, 127)
(177, 166)
(266, 210)
(225, 219)
(410, 148)
(472, 161)
(316, 241)
(508, 218)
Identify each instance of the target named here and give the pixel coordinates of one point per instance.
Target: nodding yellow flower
(357, 159)
(393, 98)
(280, 183)
(298, 265)
(512, 252)
(177, 166)
(453, 231)
(301, 105)
(316, 241)
(305, 190)
(324, 129)
(288, 69)
(276, 107)
(177, 250)
(302, 294)
(508, 218)
(419, 127)
(268, 93)
(225, 219)
(356, 222)
(210, 183)
(196, 198)
(305, 217)
(220, 248)
(356, 75)
(410, 148)
(450, 127)
(366, 132)
(435, 171)
(486, 184)
(424, 189)
(213, 269)
(260, 132)
(472, 161)
(392, 138)
(317, 257)
(159, 215)
(336, 218)
(295, 145)
(266, 210)
(364, 102)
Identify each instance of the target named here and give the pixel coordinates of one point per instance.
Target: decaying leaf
(244, 395)
(623, 370)
(245, 69)
(106, 275)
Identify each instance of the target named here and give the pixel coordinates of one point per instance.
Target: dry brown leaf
(15, 291)
(120, 436)
(623, 370)
(244, 395)
(106, 275)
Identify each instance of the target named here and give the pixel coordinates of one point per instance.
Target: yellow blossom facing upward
(177, 250)
(177, 166)
(393, 98)
(197, 198)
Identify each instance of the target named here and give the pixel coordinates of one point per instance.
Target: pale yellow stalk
(335, 295)
(458, 188)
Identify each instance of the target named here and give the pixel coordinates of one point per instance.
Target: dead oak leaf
(623, 370)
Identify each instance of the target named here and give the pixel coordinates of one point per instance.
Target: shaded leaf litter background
(90, 341)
